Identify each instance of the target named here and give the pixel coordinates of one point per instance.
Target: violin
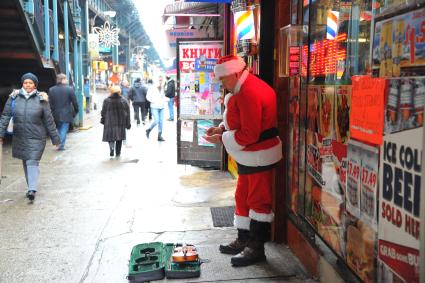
(184, 253)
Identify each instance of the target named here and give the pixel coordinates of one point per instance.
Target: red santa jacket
(249, 112)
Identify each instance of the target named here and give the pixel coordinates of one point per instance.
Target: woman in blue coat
(33, 123)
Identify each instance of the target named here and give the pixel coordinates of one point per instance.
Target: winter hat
(115, 89)
(30, 76)
(228, 65)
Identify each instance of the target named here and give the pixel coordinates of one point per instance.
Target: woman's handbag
(9, 129)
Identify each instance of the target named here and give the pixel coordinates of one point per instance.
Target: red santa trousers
(253, 198)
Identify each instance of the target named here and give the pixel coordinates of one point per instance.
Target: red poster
(367, 112)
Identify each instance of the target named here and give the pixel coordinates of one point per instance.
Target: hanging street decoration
(108, 35)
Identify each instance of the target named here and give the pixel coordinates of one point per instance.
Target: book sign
(399, 203)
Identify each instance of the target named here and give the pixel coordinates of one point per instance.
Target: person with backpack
(137, 95)
(170, 93)
(32, 124)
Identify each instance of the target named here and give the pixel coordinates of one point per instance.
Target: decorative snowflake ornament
(108, 35)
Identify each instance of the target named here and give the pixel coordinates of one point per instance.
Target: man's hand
(215, 138)
(214, 131)
(1, 140)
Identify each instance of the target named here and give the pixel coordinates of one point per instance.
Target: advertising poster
(360, 248)
(369, 185)
(313, 108)
(367, 109)
(326, 114)
(187, 131)
(200, 95)
(202, 127)
(399, 206)
(354, 158)
(404, 107)
(342, 113)
(399, 42)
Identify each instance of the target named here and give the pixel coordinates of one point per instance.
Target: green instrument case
(153, 261)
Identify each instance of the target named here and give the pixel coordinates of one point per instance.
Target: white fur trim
(241, 222)
(263, 157)
(262, 217)
(229, 141)
(229, 67)
(226, 100)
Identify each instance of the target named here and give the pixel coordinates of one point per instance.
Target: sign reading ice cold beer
(399, 203)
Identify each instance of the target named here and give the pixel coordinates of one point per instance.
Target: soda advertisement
(200, 95)
(399, 42)
(399, 206)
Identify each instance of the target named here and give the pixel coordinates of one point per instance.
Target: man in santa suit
(250, 136)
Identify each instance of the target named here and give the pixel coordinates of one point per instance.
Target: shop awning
(186, 9)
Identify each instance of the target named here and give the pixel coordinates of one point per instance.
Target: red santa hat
(228, 65)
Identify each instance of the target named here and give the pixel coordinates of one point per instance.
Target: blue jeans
(63, 130)
(158, 118)
(171, 108)
(32, 172)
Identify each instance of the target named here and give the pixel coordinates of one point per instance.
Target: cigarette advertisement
(399, 206)
(200, 95)
(399, 42)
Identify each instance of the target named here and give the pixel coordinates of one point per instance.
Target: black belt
(265, 135)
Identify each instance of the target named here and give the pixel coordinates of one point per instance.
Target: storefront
(354, 76)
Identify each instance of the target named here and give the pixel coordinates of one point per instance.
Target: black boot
(237, 245)
(31, 195)
(254, 251)
(160, 138)
(148, 131)
(118, 145)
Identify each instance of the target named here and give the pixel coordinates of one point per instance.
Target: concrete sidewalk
(92, 209)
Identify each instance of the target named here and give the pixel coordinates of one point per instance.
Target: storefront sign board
(399, 203)
(367, 112)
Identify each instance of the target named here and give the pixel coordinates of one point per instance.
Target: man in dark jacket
(170, 92)
(64, 106)
(137, 95)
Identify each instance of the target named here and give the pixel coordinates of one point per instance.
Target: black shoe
(111, 153)
(118, 154)
(170, 119)
(160, 138)
(252, 253)
(237, 245)
(148, 131)
(31, 195)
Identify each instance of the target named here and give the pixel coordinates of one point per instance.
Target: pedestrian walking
(137, 95)
(157, 99)
(115, 117)
(86, 90)
(32, 123)
(125, 91)
(64, 106)
(250, 136)
(170, 93)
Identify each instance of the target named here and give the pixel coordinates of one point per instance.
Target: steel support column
(65, 19)
(55, 31)
(81, 83)
(46, 30)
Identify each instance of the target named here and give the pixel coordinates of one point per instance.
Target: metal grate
(223, 216)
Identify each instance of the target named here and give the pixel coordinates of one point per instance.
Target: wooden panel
(308, 256)
(281, 86)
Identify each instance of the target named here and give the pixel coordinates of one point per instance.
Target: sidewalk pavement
(92, 209)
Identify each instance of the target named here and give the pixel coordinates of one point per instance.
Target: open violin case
(156, 260)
